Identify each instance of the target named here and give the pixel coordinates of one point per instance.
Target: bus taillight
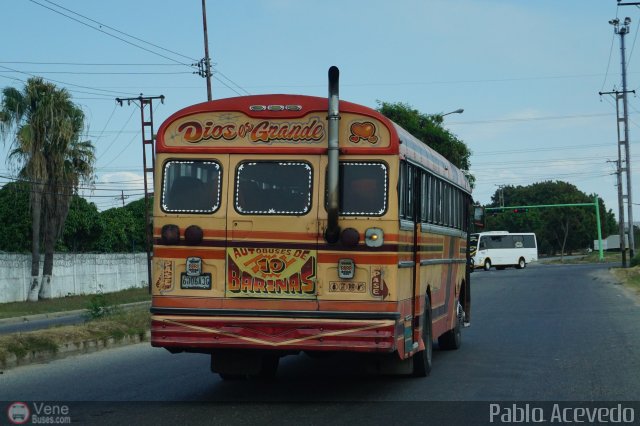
(350, 237)
(193, 235)
(170, 234)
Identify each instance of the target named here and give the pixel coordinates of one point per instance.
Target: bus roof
(289, 124)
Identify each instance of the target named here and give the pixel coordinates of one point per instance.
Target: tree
(118, 234)
(44, 127)
(139, 236)
(428, 128)
(14, 216)
(82, 228)
(559, 229)
(69, 161)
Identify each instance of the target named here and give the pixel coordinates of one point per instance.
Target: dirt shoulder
(630, 279)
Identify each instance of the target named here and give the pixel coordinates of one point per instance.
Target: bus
(290, 223)
(502, 249)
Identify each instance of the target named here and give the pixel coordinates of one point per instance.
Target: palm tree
(44, 127)
(69, 162)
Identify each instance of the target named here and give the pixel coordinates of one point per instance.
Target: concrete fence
(74, 274)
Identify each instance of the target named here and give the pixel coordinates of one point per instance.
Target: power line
(92, 64)
(85, 188)
(107, 72)
(64, 83)
(113, 35)
(120, 32)
(117, 135)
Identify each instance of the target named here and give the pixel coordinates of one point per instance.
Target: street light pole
(458, 111)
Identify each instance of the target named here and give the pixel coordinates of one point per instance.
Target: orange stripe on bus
(159, 251)
(286, 236)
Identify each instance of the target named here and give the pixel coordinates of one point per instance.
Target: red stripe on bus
(378, 259)
(276, 304)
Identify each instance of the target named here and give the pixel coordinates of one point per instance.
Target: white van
(502, 249)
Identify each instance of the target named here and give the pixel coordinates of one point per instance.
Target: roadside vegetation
(116, 325)
(593, 257)
(91, 302)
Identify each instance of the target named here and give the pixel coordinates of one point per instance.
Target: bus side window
(482, 245)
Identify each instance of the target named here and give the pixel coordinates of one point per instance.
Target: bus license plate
(198, 282)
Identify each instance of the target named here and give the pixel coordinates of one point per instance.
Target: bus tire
(521, 263)
(232, 377)
(487, 264)
(268, 367)
(452, 339)
(423, 360)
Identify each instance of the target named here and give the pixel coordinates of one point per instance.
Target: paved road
(545, 333)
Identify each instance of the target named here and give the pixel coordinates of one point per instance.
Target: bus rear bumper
(207, 333)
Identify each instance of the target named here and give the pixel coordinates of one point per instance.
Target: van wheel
(521, 263)
(487, 265)
(423, 360)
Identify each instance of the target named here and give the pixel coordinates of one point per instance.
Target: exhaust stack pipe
(332, 234)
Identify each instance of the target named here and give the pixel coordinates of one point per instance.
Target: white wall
(73, 274)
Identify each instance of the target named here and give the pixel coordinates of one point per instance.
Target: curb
(72, 348)
(38, 317)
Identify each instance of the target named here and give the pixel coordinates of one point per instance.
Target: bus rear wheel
(487, 265)
(521, 263)
(238, 364)
(452, 339)
(423, 360)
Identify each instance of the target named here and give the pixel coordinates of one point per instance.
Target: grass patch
(593, 257)
(135, 321)
(630, 277)
(72, 303)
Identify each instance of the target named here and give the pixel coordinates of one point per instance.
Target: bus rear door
(272, 230)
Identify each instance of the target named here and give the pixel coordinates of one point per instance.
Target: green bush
(636, 260)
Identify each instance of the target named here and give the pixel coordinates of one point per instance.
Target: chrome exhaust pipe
(332, 233)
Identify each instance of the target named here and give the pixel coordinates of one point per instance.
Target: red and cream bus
(288, 223)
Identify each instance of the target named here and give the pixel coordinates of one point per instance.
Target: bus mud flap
(389, 364)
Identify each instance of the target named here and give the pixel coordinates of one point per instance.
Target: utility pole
(623, 143)
(501, 195)
(122, 197)
(623, 244)
(205, 69)
(148, 137)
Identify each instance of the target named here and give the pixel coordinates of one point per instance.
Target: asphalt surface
(548, 333)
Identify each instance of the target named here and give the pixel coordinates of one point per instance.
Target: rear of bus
(242, 268)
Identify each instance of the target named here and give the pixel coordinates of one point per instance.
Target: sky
(527, 74)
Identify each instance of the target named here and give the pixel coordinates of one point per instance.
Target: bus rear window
(273, 188)
(364, 189)
(191, 187)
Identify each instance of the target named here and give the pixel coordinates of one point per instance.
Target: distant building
(612, 242)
